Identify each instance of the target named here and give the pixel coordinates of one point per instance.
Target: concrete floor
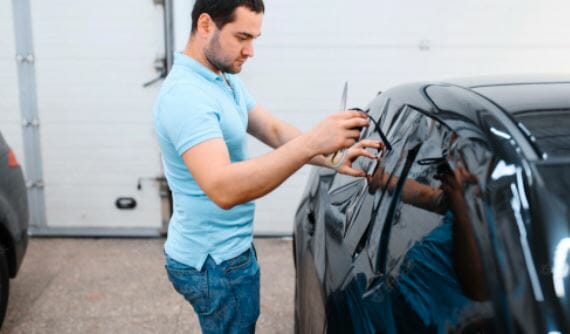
(120, 286)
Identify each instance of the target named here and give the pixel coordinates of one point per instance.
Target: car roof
(520, 93)
(512, 93)
(536, 106)
(514, 79)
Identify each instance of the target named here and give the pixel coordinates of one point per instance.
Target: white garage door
(96, 134)
(309, 48)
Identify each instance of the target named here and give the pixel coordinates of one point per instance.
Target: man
(201, 117)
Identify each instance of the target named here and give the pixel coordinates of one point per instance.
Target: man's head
(226, 30)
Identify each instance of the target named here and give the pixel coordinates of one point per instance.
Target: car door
(418, 280)
(333, 222)
(434, 274)
(352, 304)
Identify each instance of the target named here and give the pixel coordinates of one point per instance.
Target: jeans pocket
(241, 261)
(244, 285)
(191, 284)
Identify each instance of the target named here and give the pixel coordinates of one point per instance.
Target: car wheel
(4, 284)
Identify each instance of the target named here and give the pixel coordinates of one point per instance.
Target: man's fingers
(365, 143)
(354, 134)
(355, 122)
(352, 114)
(349, 142)
(364, 153)
(352, 172)
(370, 154)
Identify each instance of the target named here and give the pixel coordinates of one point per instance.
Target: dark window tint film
(550, 130)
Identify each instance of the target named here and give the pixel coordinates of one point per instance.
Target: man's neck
(197, 53)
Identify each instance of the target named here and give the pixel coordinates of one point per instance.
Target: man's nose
(248, 50)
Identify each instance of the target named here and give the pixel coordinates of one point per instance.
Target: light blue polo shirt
(195, 105)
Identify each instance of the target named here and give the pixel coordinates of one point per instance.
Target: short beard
(213, 52)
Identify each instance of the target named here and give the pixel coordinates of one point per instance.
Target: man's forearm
(287, 132)
(250, 179)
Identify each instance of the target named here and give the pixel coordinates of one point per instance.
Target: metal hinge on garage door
(163, 65)
(25, 62)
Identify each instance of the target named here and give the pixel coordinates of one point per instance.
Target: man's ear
(205, 24)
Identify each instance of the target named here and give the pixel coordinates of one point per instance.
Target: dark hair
(222, 11)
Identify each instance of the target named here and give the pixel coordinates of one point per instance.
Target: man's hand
(338, 131)
(359, 150)
(453, 181)
(453, 184)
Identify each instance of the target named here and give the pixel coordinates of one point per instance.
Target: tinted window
(524, 97)
(418, 212)
(550, 131)
(434, 271)
(406, 135)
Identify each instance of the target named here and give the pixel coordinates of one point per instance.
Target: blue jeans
(225, 296)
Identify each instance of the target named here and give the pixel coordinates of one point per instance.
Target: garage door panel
(96, 118)
(103, 78)
(276, 211)
(94, 206)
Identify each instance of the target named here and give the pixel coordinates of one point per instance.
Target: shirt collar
(194, 65)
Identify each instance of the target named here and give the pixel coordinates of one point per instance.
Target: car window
(347, 193)
(352, 197)
(407, 133)
(364, 202)
(434, 271)
(418, 212)
(549, 130)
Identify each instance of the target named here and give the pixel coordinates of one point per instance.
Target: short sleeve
(188, 117)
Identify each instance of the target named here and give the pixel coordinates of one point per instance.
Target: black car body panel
(462, 226)
(14, 213)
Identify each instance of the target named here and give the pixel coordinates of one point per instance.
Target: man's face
(229, 48)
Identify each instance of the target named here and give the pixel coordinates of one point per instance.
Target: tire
(4, 285)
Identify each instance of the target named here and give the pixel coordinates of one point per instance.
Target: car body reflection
(455, 229)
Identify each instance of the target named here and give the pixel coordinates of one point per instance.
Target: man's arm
(268, 128)
(229, 184)
(275, 132)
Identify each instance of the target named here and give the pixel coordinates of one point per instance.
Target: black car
(463, 224)
(13, 221)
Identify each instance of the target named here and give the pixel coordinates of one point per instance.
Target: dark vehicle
(463, 224)
(13, 221)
